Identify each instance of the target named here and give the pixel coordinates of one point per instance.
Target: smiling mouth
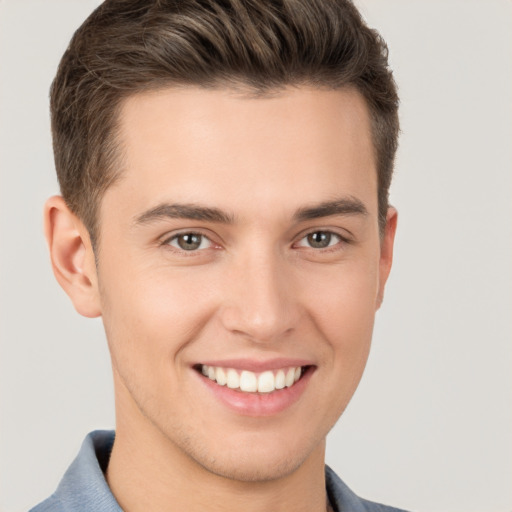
(246, 381)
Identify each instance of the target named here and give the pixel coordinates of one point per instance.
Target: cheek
(341, 304)
(151, 316)
(343, 307)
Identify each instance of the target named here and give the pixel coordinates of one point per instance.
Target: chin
(252, 458)
(252, 469)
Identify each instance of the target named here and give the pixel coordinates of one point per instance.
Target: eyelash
(329, 248)
(167, 242)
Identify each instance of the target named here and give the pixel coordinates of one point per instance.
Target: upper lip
(255, 365)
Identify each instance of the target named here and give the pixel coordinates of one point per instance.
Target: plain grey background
(430, 428)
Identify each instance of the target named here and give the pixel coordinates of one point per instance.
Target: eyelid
(320, 231)
(166, 239)
(342, 239)
(333, 231)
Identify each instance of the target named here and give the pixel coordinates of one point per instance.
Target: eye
(320, 240)
(189, 242)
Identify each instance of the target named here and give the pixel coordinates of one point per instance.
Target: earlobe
(72, 256)
(386, 253)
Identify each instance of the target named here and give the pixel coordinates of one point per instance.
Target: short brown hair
(129, 46)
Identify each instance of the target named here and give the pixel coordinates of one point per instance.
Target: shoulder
(343, 498)
(52, 504)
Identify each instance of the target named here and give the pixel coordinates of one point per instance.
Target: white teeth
(233, 379)
(220, 376)
(290, 377)
(250, 382)
(280, 379)
(266, 382)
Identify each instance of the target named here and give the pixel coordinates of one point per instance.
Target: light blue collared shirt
(84, 488)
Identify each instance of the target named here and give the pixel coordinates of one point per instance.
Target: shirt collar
(83, 486)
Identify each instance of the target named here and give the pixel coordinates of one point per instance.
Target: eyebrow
(184, 211)
(343, 206)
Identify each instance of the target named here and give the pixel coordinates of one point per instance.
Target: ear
(72, 256)
(386, 252)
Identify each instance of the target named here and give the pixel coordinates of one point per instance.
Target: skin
(255, 288)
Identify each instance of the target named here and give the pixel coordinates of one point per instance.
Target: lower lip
(258, 404)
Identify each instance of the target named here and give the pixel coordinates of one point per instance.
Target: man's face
(242, 239)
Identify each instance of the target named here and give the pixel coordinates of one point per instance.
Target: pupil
(189, 241)
(319, 240)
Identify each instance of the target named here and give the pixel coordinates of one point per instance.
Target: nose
(260, 301)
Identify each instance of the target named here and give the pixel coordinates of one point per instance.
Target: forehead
(297, 145)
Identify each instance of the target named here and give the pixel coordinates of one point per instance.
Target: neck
(148, 472)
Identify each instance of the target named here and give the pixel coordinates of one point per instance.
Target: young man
(224, 169)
